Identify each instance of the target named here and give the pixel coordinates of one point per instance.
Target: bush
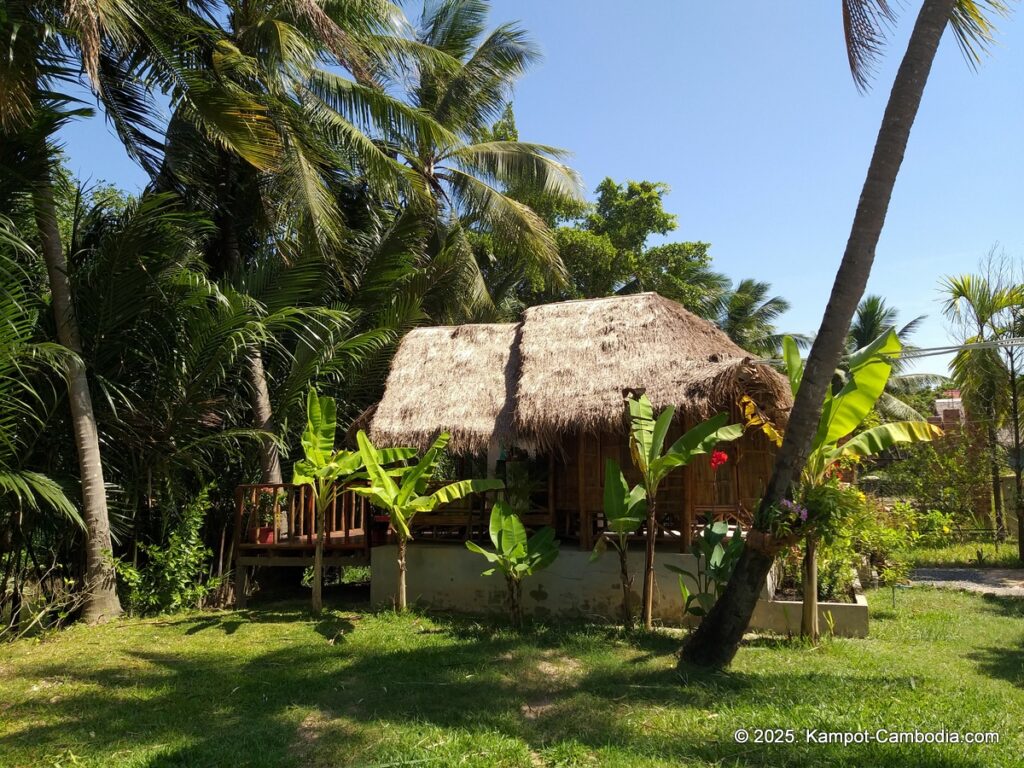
(883, 535)
(172, 577)
(948, 476)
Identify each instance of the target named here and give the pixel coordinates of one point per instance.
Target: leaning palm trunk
(100, 601)
(717, 639)
(259, 397)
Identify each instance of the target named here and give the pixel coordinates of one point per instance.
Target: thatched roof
(577, 357)
(453, 379)
(564, 370)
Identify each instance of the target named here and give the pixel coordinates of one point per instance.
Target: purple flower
(798, 510)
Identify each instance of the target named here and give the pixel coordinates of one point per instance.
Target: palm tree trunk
(259, 392)
(101, 601)
(652, 532)
(717, 639)
(997, 485)
(809, 617)
(263, 416)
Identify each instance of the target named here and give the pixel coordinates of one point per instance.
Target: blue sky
(747, 110)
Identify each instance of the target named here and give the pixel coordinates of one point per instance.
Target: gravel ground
(994, 581)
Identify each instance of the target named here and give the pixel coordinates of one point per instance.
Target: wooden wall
(686, 495)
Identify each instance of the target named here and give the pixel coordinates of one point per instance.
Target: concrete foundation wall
(449, 578)
(783, 617)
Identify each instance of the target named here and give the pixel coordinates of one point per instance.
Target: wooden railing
(283, 515)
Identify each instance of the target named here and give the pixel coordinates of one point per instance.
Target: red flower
(718, 458)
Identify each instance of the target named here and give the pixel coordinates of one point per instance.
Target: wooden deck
(275, 526)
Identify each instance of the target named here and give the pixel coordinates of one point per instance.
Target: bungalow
(541, 403)
(548, 393)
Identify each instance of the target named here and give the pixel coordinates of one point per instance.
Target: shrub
(172, 576)
(717, 556)
(947, 476)
(516, 555)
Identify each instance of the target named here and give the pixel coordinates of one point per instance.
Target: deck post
(241, 571)
(687, 532)
(551, 490)
(493, 452)
(581, 476)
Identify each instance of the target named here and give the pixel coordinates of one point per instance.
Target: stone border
(783, 617)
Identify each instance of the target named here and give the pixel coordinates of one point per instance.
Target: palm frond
(865, 25)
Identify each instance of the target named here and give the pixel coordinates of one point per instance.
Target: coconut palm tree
(716, 640)
(129, 48)
(23, 357)
(747, 314)
(29, 378)
(873, 318)
(325, 123)
(465, 88)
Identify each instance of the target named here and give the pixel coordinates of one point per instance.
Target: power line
(921, 352)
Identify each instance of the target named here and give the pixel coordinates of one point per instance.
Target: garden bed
(847, 619)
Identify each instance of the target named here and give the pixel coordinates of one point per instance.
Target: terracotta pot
(263, 535)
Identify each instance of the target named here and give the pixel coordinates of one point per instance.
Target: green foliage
(830, 507)
(647, 435)
(884, 535)
(324, 468)
(647, 441)
(515, 555)
(403, 492)
(624, 511)
(624, 507)
(948, 476)
(172, 577)
(748, 315)
(630, 213)
(842, 413)
(717, 555)
(591, 261)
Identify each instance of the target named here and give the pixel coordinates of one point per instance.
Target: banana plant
(717, 555)
(844, 411)
(329, 472)
(515, 555)
(646, 445)
(624, 512)
(403, 493)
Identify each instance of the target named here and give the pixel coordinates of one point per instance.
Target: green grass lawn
(965, 554)
(271, 687)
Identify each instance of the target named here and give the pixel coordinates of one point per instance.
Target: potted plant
(264, 531)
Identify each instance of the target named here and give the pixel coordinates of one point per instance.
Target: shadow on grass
(1001, 662)
(1012, 607)
(321, 704)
